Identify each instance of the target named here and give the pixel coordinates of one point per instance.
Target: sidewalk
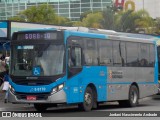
(2, 96)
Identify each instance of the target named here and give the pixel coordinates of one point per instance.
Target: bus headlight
(58, 88)
(12, 89)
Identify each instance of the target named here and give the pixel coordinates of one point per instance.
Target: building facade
(71, 9)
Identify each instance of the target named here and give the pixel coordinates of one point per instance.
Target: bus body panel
(96, 75)
(36, 89)
(43, 91)
(59, 97)
(120, 79)
(131, 74)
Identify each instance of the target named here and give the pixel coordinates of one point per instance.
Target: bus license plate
(31, 98)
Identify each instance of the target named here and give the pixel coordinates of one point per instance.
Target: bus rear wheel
(88, 100)
(40, 107)
(133, 98)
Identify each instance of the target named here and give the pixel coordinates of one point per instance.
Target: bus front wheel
(40, 107)
(88, 100)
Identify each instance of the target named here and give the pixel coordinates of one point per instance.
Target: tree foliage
(62, 21)
(157, 24)
(41, 14)
(131, 21)
(111, 18)
(145, 21)
(92, 20)
(125, 21)
(18, 18)
(108, 18)
(84, 15)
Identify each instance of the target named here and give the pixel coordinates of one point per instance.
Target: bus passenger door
(74, 68)
(74, 61)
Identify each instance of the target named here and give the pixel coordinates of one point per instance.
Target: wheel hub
(88, 98)
(134, 96)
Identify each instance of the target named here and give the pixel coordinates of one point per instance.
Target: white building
(71, 9)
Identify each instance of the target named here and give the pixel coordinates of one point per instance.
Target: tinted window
(132, 54)
(105, 52)
(117, 61)
(152, 56)
(144, 55)
(75, 57)
(123, 53)
(90, 52)
(76, 41)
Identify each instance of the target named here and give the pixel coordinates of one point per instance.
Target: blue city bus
(51, 67)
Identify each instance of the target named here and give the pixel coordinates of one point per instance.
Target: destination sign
(37, 36)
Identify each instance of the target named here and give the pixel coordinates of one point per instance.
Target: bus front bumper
(59, 97)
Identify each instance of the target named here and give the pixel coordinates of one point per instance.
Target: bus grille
(33, 82)
(39, 96)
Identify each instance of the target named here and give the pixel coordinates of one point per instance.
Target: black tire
(87, 104)
(133, 98)
(40, 107)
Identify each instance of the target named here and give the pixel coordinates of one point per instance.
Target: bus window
(123, 53)
(144, 55)
(74, 60)
(132, 54)
(90, 52)
(105, 52)
(117, 59)
(152, 56)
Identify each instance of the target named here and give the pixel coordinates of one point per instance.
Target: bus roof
(102, 33)
(112, 37)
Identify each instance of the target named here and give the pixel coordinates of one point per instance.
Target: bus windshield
(37, 60)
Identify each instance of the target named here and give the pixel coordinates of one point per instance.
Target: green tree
(130, 21)
(91, 20)
(157, 26)
(84, 15)
(124, 21)
(62, 21)
(18, 18)
(41, 14)
(145, 22)
(108, 18)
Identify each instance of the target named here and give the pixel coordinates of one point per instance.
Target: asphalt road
(149, 104)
